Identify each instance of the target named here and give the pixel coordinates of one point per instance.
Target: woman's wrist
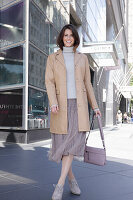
(96, 109)
(54, 105)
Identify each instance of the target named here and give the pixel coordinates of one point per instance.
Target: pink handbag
(95, 155)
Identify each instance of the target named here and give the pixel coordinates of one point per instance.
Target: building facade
(28, 32)
(130, 32)
(116, 78)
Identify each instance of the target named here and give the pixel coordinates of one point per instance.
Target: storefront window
(11, 108)
(11, 24)
(37, 109)
(37, 65)
(11, 66)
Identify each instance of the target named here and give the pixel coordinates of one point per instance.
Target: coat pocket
(85, 95)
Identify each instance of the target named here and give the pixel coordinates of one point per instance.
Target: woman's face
(68, 38)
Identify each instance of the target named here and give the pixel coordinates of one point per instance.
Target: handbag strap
(100, 128)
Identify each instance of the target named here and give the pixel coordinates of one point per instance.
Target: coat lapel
(77, 56)
(60, 58)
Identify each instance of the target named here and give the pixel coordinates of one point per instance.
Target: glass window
(43, 33)
(92, 21)
(53, 38)
(11, 66)
(11, 108)
(43, 5)
(55, 11)
(37, 109)
(37, 64)
(96, 17)
(11, 24)
(4, 2)
(60, 15)
(39, 28)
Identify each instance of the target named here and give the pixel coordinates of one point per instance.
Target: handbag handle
(100, 128)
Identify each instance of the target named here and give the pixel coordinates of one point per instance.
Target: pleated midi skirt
(71, 143)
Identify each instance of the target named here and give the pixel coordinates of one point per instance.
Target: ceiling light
(8, 26)
(2, 58)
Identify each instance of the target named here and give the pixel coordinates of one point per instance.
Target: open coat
(55, 81)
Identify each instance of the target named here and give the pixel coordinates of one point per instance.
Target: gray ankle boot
(58, 192)
(74, 187)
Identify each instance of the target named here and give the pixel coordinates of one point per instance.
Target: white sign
(106, 48)
(126, 88)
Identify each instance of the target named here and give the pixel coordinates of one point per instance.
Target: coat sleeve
(50, 82)
(88, 85)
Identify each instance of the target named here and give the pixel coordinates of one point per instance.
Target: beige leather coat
(55, 81)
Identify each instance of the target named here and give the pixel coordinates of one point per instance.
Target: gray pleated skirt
(72, 143)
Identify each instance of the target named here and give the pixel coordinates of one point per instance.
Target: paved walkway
(26, 173)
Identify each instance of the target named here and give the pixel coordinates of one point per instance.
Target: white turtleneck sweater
(70, 75)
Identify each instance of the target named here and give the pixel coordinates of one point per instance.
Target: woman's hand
(54, 109)
(97, 112)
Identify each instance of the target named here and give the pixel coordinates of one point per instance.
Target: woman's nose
(69, 36)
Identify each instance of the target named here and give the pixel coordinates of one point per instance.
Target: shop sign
(108, 48)
(11, 108)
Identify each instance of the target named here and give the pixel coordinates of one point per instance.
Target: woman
(69, 89)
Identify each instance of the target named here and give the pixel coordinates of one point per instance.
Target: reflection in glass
(46, 20)
(57, 12)
(11, 66)
(53, 38)
(37, 64)
(96, 11)
(11, 24)
(11, 108)
(4, 2)
(37, 109)
(39, 28)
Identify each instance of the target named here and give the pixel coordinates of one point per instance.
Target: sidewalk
(26, 173)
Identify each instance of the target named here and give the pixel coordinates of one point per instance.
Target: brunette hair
(60, 42)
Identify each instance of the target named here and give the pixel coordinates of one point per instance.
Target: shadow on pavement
(27, 174)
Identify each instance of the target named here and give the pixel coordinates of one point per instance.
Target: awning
(105, 54)
(127, 91)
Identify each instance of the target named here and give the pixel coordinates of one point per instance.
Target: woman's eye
(68, 35)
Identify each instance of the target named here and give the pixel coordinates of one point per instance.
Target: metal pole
(26, 63)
